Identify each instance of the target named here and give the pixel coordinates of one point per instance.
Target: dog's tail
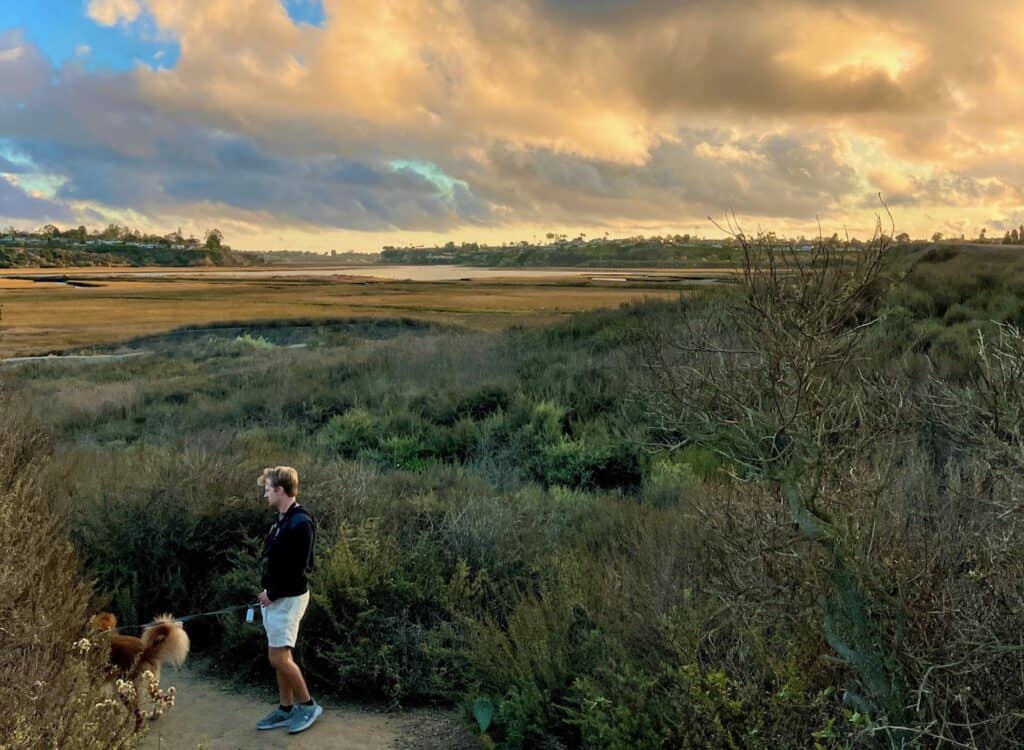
(103, 621)
(165, 642)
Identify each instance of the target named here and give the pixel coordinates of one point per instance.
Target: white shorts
(281, 619)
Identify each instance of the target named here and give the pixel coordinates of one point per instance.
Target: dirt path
(210, 715)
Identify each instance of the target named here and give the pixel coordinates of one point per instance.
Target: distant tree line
(51, 234)
(1014, 236)
(116, 245)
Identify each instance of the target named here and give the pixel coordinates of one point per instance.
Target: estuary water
(391, 273)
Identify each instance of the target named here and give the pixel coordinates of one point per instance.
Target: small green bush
(255, 341)
(378, 625)
(677, 707)
(667, 481)
(527, 666)
(483, 402)
(351, 433)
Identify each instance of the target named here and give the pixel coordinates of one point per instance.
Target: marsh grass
(47, 318)
(497, 521)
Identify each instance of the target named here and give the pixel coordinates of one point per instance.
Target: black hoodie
(288, 554)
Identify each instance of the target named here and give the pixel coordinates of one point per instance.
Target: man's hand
(264, 599)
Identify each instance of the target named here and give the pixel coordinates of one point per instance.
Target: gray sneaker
(276, 718)
(302, 717)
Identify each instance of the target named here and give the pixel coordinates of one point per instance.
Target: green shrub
(676, 707)
(461, 441)
(351, 433)
(408, 452)
(313, 410)
(378, 626)
(705, 464)
(961, 313)
(527, 667)
(255, 341)
(435, 407)
(483, 402)
(667, 482)
(594, 461)
(149, 535)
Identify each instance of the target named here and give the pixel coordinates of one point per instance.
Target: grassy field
(50, 317)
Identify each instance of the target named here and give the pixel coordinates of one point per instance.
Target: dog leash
(186, 618)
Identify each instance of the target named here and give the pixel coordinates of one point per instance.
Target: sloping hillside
(117, 254)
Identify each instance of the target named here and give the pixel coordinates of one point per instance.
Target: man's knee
(278, 657)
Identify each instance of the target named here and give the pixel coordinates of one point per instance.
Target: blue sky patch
(61, 29)
(306, 11)
(13, 159)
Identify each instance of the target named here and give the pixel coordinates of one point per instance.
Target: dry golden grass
(46, 317)
(51, 676)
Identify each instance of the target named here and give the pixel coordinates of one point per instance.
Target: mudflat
(46, 316)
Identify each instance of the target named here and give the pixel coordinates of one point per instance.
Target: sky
(354, 124)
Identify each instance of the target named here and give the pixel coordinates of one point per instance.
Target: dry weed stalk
(51, 691)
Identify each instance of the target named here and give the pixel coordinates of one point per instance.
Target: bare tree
(780, 382)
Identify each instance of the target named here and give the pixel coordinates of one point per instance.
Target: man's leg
(290, 683)
(284, 690)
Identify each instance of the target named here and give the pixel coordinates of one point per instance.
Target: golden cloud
(111, 12)
(465, 74)
(614, 110)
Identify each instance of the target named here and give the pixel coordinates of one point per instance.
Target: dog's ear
(103, 621)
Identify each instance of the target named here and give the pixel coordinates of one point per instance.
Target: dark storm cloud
(116, 149)
(605, 111)
(701, 172)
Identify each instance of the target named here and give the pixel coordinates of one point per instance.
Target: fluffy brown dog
(164, 642)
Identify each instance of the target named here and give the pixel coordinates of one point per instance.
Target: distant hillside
(673, 251)
(970, 258)
(119, 254)
(596, 253)
(309, 258)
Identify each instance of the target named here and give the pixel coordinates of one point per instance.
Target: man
(287, 558)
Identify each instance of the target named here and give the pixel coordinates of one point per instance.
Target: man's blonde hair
(284, 477)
